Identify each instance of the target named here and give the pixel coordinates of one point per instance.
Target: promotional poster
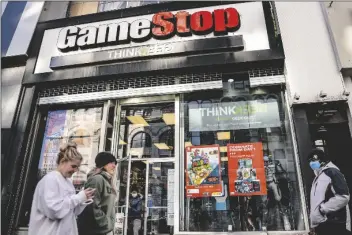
(203, 176)
(246, 169)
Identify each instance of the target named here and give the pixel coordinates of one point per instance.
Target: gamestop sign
(155, 35)
(163, 25)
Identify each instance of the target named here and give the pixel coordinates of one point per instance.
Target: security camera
(296, 96)
(346, 93)
(322, 94)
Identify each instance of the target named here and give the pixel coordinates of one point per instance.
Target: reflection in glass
(147, 136)
(148, 131)
(244, 118)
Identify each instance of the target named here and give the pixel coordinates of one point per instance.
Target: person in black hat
(329, 197)
(99, 217)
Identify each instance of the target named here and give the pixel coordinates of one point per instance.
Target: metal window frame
(142, 101)
(179, 183)
(130, 93)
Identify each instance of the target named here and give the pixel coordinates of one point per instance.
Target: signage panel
(139, 52)
(93, 37)
(234, 116)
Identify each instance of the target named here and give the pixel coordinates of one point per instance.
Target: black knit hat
(317, 154)
(104, 158)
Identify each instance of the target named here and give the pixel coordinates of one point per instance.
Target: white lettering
(211, 112)
(87, 36)
(140, 29)
(159, 49)
(232, 110)
(168, 47)
(67, 38)
(118, 54)
(151, 50)
(110, 54)
(130, 52)
(222, 111)
(109, 33)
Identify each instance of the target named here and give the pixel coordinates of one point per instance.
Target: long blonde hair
(68, 152)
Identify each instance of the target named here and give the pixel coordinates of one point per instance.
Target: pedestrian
(329, 197)
(135, 211)
(55, 202)
(99, 217)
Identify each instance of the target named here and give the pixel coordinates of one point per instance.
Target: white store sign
(252, 28)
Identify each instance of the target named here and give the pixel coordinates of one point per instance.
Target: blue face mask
(315, 165)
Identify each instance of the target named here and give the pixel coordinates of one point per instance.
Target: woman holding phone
(55, 203)
(99, 217)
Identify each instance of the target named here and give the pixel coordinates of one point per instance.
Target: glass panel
(240, 169)
(55, 129)
(137, 198)
(79, 125)
(160, 198)
(133, 4)
(111, 5)
(109, 127)
(147, 131)
(148, 2)
(82, 8)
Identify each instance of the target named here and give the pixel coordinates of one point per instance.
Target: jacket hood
(96, 171)
(327, 166)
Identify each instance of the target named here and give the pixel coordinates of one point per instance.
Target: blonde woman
(55, 204)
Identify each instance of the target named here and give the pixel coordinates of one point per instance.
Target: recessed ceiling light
(187, 144)
(162, 146)
(169, 118)
(137, 119)
(223, 135)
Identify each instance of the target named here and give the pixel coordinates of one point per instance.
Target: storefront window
(56, 128)
(78, 8)
(81, 126)
(240, 170)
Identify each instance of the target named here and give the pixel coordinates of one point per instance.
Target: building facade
(18, 22)
(211, 108)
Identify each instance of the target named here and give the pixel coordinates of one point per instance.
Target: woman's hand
(89, 193)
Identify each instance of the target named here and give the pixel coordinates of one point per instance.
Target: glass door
(159, 198)
(146, 139)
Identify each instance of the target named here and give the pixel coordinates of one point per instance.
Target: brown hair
(68, 152)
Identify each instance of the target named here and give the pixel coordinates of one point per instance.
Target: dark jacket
(98, 217)
(135, 209)
(329, 197)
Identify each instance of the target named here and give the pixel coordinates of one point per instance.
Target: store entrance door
(147, 139)
(149, 197)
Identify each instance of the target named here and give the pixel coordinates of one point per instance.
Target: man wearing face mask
(329, 197)
(135, 211)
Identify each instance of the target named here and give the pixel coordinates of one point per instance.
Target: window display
(257, 176)
(81, 126)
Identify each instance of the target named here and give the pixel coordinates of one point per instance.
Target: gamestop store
(190, 98)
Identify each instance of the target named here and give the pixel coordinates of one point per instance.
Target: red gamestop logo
(163, 25)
